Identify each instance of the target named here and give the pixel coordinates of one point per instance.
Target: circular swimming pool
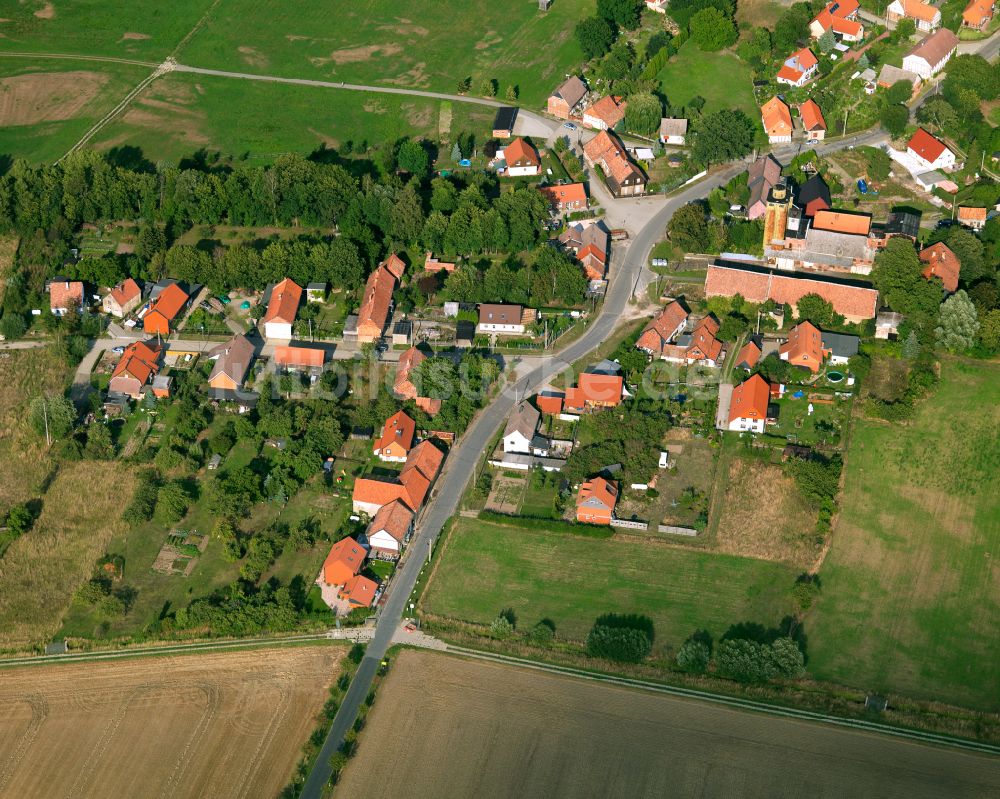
(834, 377)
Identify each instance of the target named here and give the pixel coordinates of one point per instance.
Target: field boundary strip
(171, 649)
(734, 702)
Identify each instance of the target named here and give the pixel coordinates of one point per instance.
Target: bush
(693, 657)
(745, 661)
(788, 659)
(625, 638)
(357, 653)
(501, 627)
(541, 634)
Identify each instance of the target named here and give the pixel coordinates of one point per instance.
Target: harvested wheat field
(41, 570)
(208, 725)
(443, 727)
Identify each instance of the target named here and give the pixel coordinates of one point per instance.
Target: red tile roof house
(65, 294)
(396, 440)
(593, 260)
(813, 123)
(404, 388)
(667, 325)
(161, 314)
(296, 358)
(345, 560)
(854, 303)
(973, 218)
(930, 151)
(804, 347)
(522, 159)
(748, 406)
(122, 299)
(564, 100)
(748, 356)
(700, 346)
(777, 121)
(568, 197)
(941, 263)
(595, 503)
(841, 16)
(926, 16)
(135, 369)
(281, 310)
(977, 14)
(390, 530)
(604, 114)
(623, 178)
(358, 592)
(418, 474)
(432, 264)
(798, 68)
(376, 306)
(597, 389)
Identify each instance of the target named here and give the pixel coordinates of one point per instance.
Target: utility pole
(429, 549)
(45, 415)
(846, 112)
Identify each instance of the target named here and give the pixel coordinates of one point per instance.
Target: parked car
(569, 125)
(118, 350)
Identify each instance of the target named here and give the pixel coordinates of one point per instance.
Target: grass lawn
(49, 105)
(43, 568)
(910, 598)
(572, 580)
(180, 114)
(90, 27)
(721, 78)
(426, 44)
(763, 515)
(24, 460)
(822, 427)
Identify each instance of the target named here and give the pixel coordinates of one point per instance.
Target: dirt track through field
(447, 727)
(207, 725)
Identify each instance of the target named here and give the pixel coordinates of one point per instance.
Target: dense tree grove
(369, 217)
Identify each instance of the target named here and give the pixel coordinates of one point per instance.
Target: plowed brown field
(207, 725)
(446, 727)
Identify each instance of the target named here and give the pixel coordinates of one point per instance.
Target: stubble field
(447, 727)
(206, 725)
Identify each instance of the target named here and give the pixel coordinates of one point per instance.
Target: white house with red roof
(748, 405)
(798, 68)
(840, 16)
(929, 151)
(65, 294)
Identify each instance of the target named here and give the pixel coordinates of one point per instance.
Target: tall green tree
(623, 13)
(594, 35)
(712, 30)
(643, 114)
(958, 323)
(688, 228)
(723, 136)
